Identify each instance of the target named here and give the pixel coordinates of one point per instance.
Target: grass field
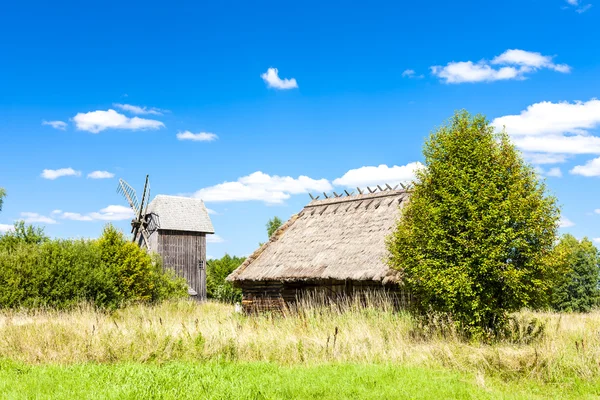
(181, 349)
(234, 380)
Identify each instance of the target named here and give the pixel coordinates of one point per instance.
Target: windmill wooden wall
(185, 253)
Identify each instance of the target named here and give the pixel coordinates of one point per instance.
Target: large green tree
(578, 275)
(216, 286)
(473, 238)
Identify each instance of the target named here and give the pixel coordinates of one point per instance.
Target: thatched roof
(177, 213)
(341, 238)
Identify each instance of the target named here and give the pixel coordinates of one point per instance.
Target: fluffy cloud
(547, 118)
(6, 228)
(512, 64)
(56, 124)
(565, 223)
(554, 130)
(57, 173)
(31, 217)
(529, 60)
(545, 158)
(272, 79)
(579, 7)
(97, 121)
(214, 239)
(410, 73)
(110, 213)
(139, 110)
(197, 137)
(258, 186)
(382, 174)
(554, 172)
(590, 168)
(101, 175)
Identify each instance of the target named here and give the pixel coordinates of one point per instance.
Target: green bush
(216, 286)
(109, 272)
(473, 238)
(577, 265)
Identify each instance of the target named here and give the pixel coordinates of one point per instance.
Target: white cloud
(97, 121)
(512, 64)
(547, 118)
(210, 211)
(110, 213)
(544, 158)
(57, 173)
(596, 240)
(597, 210)
(197, 137)
(590, 168)
(6, 228)
(529, 59)
(554, 172)
(410, 73)
(259, 186)
(555, 128)
(369, 176)
(467, 71)
(139, 110)
(580, 8)
(583, 9)
(56, 124)
(31, 217)
(272, 79)
(565, 223)
(101, 175)
(214, 239)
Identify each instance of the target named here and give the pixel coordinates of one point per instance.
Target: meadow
(183, 349)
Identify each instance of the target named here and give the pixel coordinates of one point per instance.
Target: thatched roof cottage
(334, 246)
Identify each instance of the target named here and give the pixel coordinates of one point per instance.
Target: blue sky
(250, 105)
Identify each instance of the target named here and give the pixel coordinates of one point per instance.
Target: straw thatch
(339, 239)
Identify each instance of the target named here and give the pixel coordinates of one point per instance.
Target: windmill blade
(145, 237)
(145, 198)
(128, 192)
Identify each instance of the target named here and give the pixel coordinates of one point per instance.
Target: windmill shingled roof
(181, 214)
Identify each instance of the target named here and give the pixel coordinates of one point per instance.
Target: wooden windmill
(140, 222)
(175, 227)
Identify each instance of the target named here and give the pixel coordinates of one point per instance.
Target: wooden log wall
(274, 295)
(185, 253)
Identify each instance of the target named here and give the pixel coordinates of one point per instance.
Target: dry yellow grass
(570, 345)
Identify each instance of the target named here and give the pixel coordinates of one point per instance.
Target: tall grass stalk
(314, 331)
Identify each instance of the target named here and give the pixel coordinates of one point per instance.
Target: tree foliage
(22, 234)
(216, 286)
(109, 272)
(472, 239)
(272, 225)
(577, 267)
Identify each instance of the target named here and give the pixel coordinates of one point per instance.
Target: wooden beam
(380, 189)
(389, 187)
(359, 190)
